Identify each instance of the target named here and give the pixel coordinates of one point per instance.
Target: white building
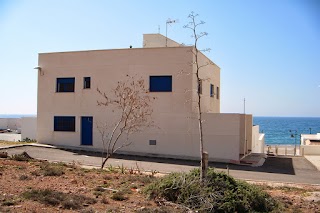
(68, 111)
(310, 143)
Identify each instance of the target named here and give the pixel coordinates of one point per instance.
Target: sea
(277, 129)
(16, 115)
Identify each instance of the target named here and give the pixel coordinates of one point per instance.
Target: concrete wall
(10, 123)
(174, 113)
(10, 137)
(106, 68)
(220, 138)
(305, 138)
(311, 149)
(158, 40)
(173, 139)
(257, 140)
(29, 128)
(209, 74)
(245, 134)
(222, 135)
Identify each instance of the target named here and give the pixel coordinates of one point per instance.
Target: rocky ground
(39, 186)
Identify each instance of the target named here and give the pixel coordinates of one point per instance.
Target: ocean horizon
(276, 129)
(17, 115)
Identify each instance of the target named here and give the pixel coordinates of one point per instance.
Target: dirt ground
(294, 197)
(24, 186)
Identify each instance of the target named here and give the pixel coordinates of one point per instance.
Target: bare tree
(193, 26)
(130, 103)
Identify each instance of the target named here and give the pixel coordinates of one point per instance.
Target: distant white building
(25, 127)
(68, 113)
(310, 143)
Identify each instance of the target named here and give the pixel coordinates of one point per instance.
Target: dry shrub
(55, 198)
(218, 193)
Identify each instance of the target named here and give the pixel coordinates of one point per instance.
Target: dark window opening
(65, 123)
(211, 90)
(86, 83)
(200, 86)
(218, 93)
(160, 83)
(152, 142)
(65, 84)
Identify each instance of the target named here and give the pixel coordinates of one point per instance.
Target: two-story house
(68, 111)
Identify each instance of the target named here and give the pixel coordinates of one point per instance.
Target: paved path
(277, 169)
(314, 159)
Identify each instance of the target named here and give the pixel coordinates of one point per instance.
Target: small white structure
(310, 143)
(258, 143)
(27, 126)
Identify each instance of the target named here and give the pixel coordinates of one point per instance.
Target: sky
(268, 50)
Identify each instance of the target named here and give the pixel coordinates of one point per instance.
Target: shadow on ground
(273, 164)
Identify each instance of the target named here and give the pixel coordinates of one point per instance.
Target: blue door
(86, 130)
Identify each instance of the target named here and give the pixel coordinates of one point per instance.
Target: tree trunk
(104, 161)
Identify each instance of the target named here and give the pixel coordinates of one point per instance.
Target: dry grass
(12, 143)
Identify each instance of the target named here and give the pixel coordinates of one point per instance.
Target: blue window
(65, 84)
(211, 90)
(86, 83)
(65, 123)
(161, 83)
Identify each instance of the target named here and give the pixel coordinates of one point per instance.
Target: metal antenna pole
(169, 21)
(167, 32)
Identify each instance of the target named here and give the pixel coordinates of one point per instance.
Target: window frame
(211, 90)
(155, 80)
(64, 123)
(86, 84)
(152, 142)
(62, 87)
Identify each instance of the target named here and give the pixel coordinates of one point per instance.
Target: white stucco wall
(310, 149)
(257, 140)
(305, 137)
(158, 40)
(173, 112)
(29, 128)
(10, 137)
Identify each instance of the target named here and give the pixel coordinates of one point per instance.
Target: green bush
(218, 193)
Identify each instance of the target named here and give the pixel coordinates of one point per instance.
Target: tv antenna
(169, 21)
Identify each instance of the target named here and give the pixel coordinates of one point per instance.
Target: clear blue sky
(268, 50)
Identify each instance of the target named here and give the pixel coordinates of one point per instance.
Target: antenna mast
(169, 21)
